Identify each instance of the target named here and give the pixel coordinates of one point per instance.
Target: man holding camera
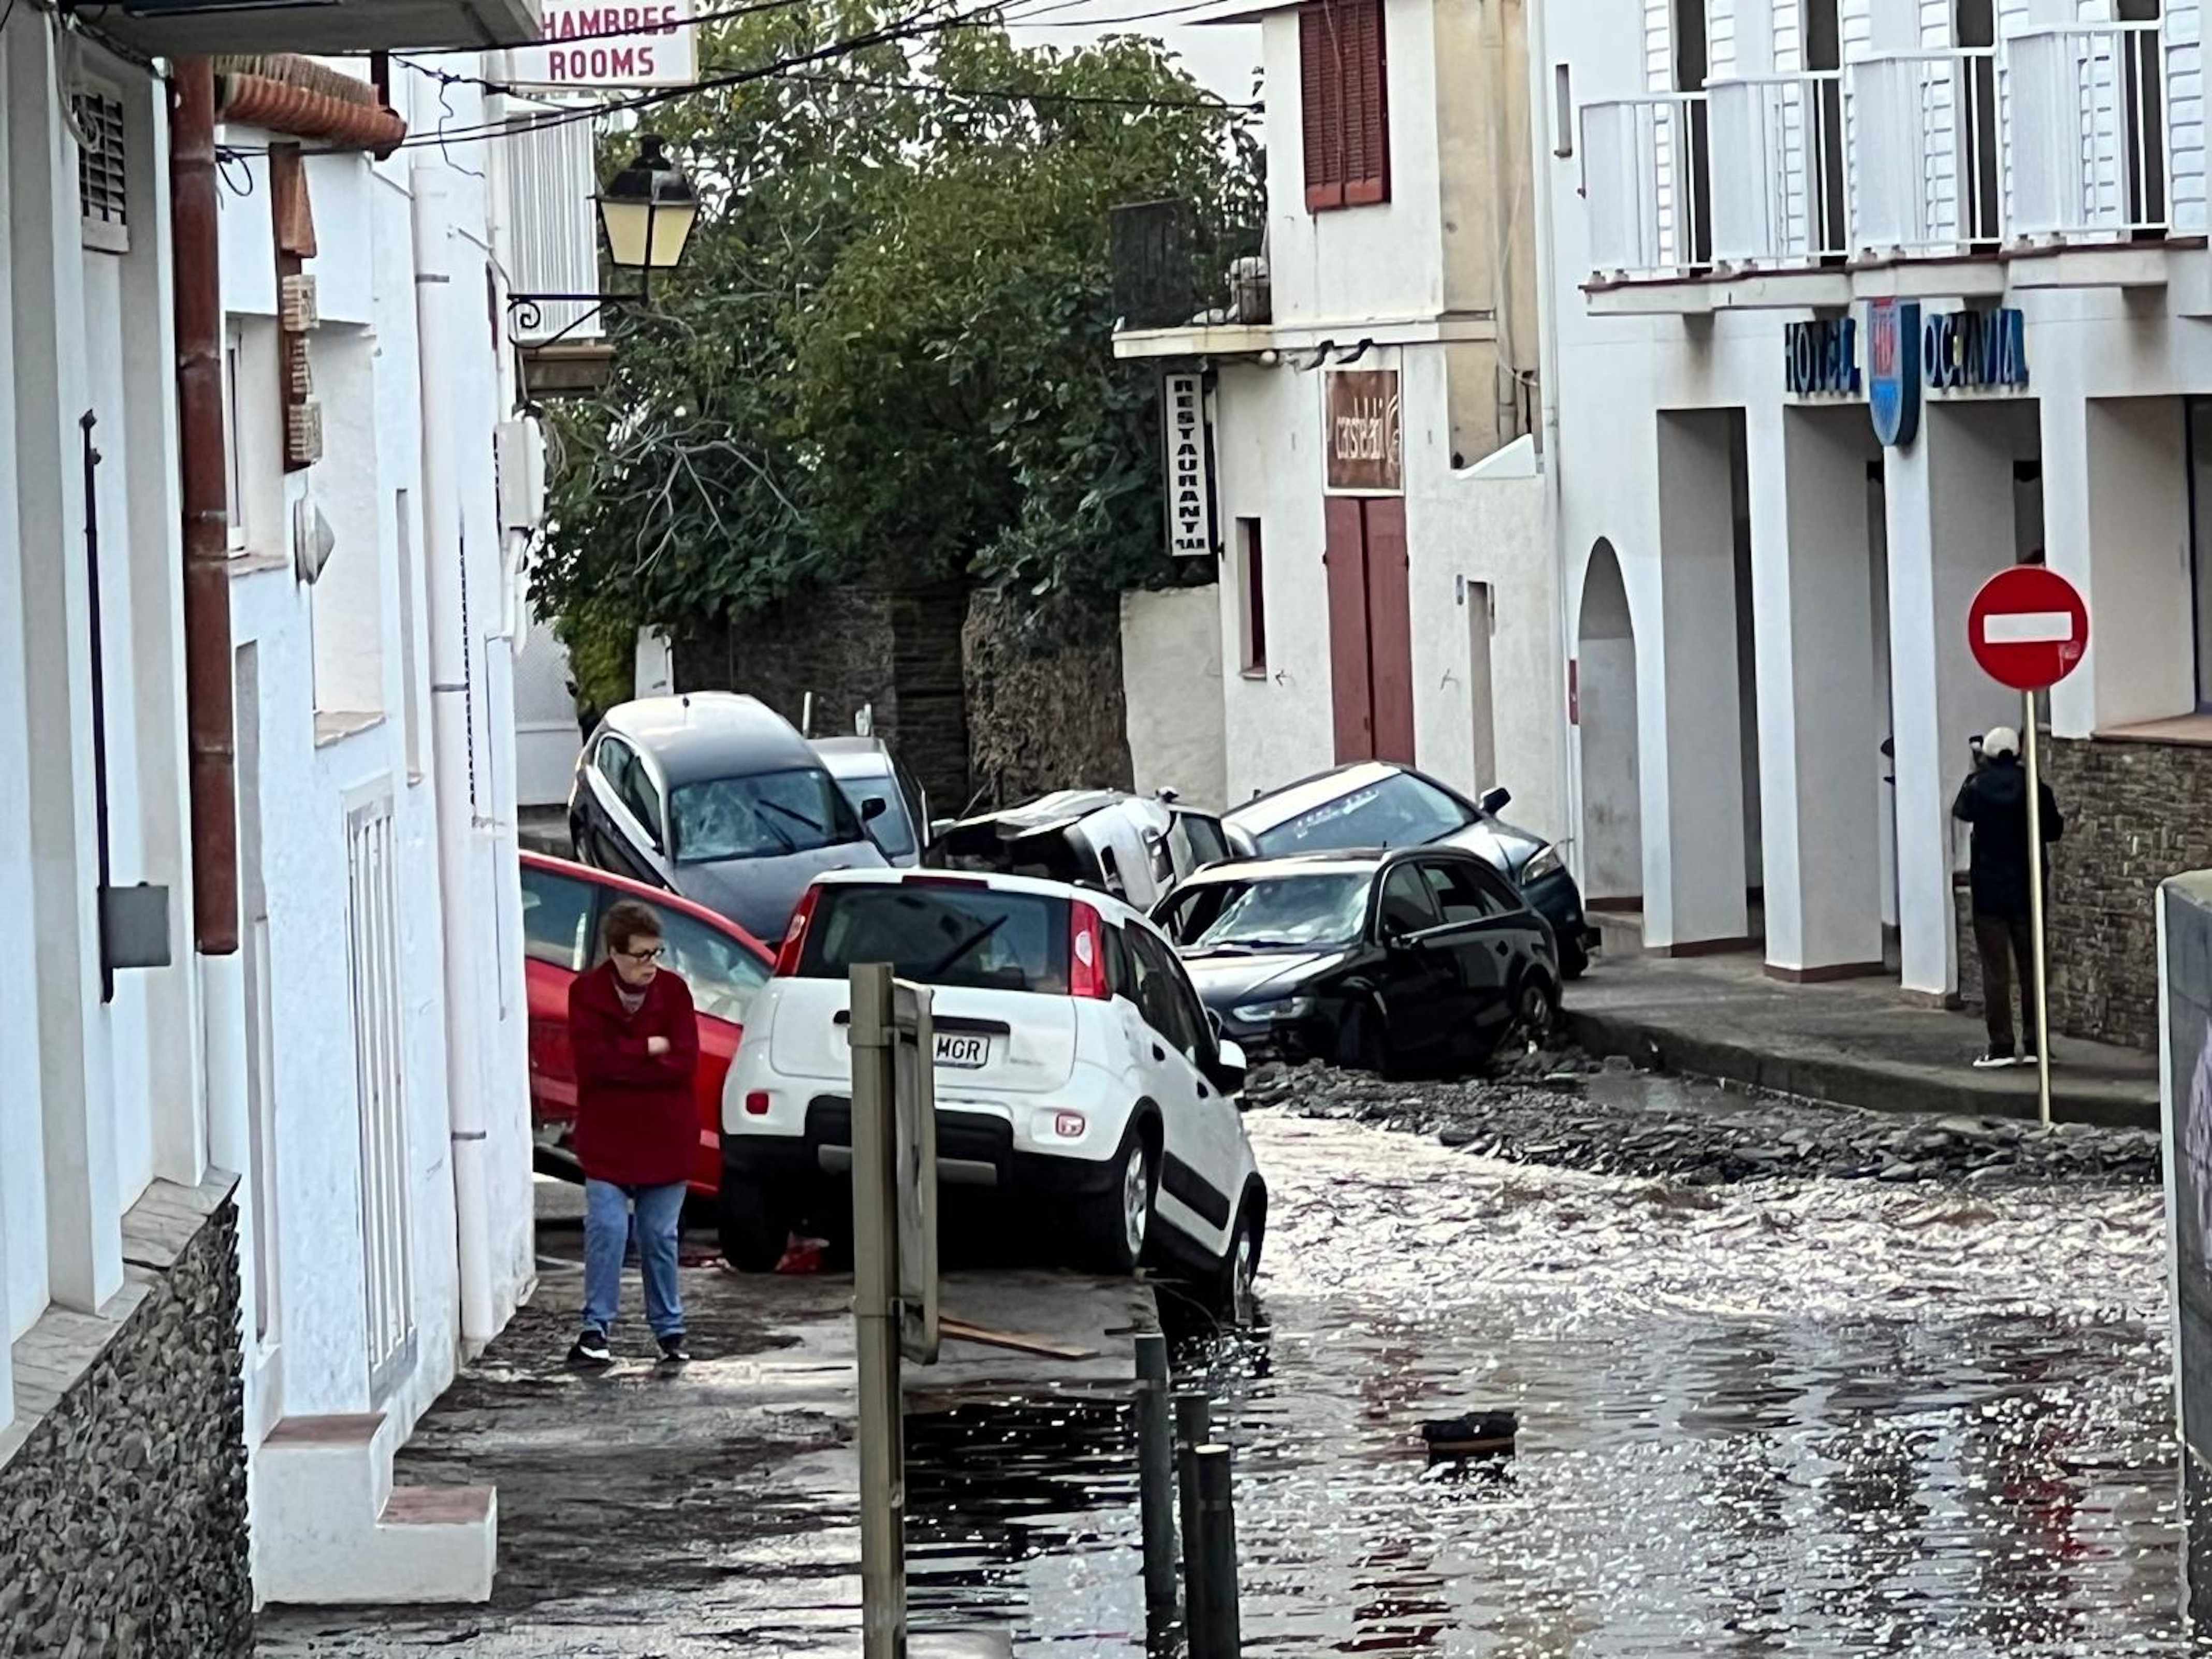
(1994, 802)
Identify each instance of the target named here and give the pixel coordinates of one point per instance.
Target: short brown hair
(627, 923)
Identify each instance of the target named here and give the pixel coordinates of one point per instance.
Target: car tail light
(794, 937)
(1086, 953)
(756, 1104)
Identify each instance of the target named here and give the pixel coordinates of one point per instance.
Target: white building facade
(256, 1204)
(1374, 501)
(1850, 304)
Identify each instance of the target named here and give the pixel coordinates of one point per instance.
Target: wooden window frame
(1344, 83)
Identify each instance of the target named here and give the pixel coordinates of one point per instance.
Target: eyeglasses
(654, 955)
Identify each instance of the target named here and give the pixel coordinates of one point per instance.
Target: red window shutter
(1321, 107)
(1366, 104)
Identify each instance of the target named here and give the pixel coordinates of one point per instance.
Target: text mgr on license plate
(957, 1049)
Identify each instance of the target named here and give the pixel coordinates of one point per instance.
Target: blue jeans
(606, 1241)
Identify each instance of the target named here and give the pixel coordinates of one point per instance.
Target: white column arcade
(1951, 528)
(1819, 722)
(1694, 890)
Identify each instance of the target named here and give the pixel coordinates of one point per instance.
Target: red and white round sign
(2028, 627)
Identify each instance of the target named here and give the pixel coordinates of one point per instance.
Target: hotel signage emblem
(1894, 351)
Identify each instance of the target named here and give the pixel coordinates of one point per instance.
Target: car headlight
(1259, 1013)
(1546, 862)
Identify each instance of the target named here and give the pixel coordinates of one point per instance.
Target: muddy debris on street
(1570, 1111)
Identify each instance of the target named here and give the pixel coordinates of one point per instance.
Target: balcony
(180, 28)
(1926, 173)
(1184, 286)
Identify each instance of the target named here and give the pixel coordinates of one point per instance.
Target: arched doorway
(1605, 687)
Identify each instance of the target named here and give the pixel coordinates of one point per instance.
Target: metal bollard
(1193, 1414)
(1156, 1471)
(1221, 1634)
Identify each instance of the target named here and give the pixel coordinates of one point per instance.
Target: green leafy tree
(889, 347)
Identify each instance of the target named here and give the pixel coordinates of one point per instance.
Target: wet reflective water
(1783, 1419)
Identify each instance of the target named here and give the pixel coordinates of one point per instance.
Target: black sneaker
(591, 1348)
(672, 1351)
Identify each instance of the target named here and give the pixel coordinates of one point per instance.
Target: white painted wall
(1173, 639)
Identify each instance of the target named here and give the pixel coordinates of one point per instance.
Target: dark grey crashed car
(714, 796)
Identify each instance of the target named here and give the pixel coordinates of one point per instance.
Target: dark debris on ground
(1568, 1110)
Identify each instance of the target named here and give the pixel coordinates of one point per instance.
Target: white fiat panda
(1075, 1066)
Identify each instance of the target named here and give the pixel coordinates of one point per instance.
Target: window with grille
(101, 187)
(1343, 76)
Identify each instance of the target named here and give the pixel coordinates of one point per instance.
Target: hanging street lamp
(646, 214)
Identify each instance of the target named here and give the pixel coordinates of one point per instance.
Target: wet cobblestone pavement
(1798, 1415)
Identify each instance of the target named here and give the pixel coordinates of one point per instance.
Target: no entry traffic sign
(2028, 627)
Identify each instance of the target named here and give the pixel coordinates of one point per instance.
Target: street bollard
(1156, 1471)
(1194, 1428)
(1221, 1634)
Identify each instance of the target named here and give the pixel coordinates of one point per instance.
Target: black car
(716, 797)
(1379, 803)
(1420, 958)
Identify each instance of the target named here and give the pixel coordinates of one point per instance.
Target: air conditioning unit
(520, 448)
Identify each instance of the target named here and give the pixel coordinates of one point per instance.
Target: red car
(723, 964)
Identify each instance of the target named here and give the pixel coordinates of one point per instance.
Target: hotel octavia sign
(1909, 357)
(1365, 448)
(1189, 468)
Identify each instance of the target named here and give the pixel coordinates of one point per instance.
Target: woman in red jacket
(636, 1045)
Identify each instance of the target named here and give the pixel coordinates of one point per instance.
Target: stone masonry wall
(2136, 814)
(852, 647)
(123, 1522)
(1046, 707)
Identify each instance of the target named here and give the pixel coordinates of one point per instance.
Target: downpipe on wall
(440, 342)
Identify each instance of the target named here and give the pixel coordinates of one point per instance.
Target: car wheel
(1536, 1010)
(1238, 1270)
(1116, 1222)
(755, 1228)
(1363, 1041)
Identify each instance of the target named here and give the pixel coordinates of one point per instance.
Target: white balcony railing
(1780, 196)
(1927, 165)
(1646, 177)
(2092, 146)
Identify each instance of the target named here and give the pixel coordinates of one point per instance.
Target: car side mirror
(1230, 1068)
(873, 808)
(1495, 801)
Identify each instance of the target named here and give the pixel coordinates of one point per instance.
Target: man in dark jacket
(636, 1045)
(1994, 800)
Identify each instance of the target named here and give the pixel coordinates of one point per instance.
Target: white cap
(2001, 741)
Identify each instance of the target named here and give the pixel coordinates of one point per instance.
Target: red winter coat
(636, 1122)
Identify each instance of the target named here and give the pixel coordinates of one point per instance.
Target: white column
(83, 1223)
(1818, 726)
(2116, 516)
(1950, 529)
(1690, 701)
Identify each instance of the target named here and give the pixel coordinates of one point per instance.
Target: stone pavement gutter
(1854, 1043)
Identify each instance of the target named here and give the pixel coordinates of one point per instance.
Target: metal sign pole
(2035, 910)
(875, 1308)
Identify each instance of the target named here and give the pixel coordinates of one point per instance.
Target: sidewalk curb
(1822, 1075)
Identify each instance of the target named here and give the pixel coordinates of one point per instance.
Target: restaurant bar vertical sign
(1189, 468)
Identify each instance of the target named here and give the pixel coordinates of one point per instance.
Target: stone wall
(2136, 814)
(1045, 704)
(854, 647)
(122, 1522)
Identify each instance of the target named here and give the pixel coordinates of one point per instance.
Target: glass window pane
(556, 918)
(764, 816)
(722, 974)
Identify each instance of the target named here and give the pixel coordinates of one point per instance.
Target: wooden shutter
(1390, 627)
(1366, 103)
(1320, 106)
(1351, 696)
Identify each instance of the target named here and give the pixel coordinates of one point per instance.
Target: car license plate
(968, 1053)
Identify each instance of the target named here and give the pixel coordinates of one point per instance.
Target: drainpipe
(210, 734)
(441, 341)
(213, 759)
